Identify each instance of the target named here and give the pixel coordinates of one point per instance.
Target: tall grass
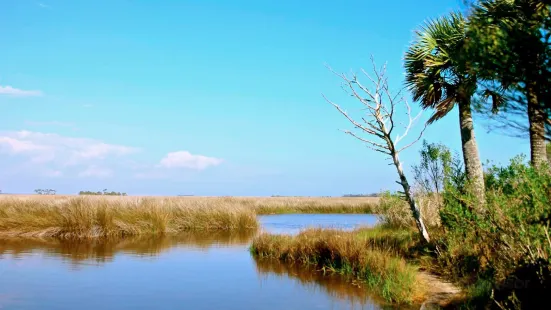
(106, 216)
(393, 211)
(89, 217)
(351, 253)
(93, 216)
(281, 205)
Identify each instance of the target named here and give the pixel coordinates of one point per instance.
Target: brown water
(188, 271)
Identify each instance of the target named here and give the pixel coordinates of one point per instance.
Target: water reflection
(104, 250)
(189, 270)
(334, 285)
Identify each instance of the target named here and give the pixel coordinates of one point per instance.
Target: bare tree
(378, 125)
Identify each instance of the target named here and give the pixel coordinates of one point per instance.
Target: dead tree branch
(379, 122)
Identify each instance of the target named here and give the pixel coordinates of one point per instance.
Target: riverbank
(108, 216)
(388, 262)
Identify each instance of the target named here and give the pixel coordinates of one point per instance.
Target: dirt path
(440, 292)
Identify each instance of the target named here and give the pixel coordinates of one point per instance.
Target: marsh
(188, 270)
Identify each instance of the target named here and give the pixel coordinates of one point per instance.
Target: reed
(353, 253)
(100, 216)
(91, 217)
(327, 205)
(113, 216)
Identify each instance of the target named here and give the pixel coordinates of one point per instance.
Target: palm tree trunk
(536, 118)
(473, 165)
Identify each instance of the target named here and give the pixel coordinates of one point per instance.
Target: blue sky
(202, 97)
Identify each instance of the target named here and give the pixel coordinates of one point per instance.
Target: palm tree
(511, 44)
(439, 77)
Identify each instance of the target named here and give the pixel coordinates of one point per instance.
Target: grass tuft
(359, 254)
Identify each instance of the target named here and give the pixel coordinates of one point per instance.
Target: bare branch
(366, 101)
(391, 101)
(408, 126)
(374, 127)
(414, 141)
(374, 144)
(367, 130)
(368, 76)
(380, 106)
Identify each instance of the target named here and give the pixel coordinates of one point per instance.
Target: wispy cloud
(61, 152)
(54, 155)
(169, 166)
(16, 92)
(43, 5)
(184, 159)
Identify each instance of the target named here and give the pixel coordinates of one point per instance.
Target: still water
(188, 271)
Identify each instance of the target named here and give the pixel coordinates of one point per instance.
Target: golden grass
(261, 205)
(395, 212)
(283, 205)
(115, 216)
(367, 256)
(89, 217)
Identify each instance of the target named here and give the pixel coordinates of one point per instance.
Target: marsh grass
(393, 211)
(397, 242)
(93, 216)
(310, 205)
(90, 217)
(361, 254)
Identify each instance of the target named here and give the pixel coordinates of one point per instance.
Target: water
(293, 223)
(188, 271)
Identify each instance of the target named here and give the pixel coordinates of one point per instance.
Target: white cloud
(59, 151)
(15, 92)
(184, 159)
(16, 146)
(96, 172)
(53, 155)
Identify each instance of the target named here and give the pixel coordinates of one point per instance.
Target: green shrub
(506, 243)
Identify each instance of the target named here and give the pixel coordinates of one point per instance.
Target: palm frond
(442, 109)
(433, 63)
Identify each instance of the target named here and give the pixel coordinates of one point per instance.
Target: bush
(506, 244)
(435, 165)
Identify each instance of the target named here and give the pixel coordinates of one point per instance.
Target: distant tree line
(104, 192)
(362, 195)
(45, 191)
